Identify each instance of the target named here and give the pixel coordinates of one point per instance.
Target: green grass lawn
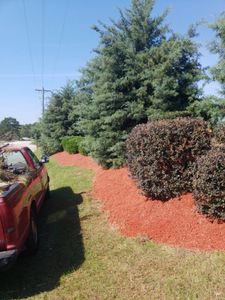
(82, 257)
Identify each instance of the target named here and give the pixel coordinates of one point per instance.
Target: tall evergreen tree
(56, 123)
(141, 69)
(218, 47)
(81, 105)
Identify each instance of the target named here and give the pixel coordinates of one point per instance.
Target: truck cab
(24, 184)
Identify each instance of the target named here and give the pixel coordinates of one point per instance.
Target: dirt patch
(174, 222)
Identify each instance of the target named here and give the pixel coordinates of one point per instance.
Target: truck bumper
(7, 258)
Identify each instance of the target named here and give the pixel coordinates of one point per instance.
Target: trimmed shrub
(70, 144)
(219, 134)
(82, 147)
(161, 155)
(209, 184)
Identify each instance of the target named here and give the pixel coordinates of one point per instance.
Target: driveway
(29, 144)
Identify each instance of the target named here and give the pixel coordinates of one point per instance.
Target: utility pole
(43, 91)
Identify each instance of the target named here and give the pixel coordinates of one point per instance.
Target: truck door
(18, 202)
(41, 176)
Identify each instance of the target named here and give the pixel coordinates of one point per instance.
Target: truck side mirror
(44, 159)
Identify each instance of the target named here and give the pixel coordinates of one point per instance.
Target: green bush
(82, 147)
(71, 144)
(209, 184)
(161, 155)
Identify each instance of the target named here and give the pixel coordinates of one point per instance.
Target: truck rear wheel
(33, 237)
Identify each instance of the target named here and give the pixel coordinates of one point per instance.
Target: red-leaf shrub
(161, 155)
(209, 184)
(219, 134)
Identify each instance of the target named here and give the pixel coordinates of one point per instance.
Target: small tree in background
(26, 130)
(9, 129)
(141, 70)
(212, 108)
(36, 131)
(218, 47)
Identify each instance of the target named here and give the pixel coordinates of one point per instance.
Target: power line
(61, 34)
(43, 90)
(28, 40)
(43, 42)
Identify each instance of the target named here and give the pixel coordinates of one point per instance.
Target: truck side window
(34, 158)
(14, 159)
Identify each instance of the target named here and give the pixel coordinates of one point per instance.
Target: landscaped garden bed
(175, 222)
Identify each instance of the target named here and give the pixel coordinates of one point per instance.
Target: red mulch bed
(174, 222)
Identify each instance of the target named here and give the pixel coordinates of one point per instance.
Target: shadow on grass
(61, 249)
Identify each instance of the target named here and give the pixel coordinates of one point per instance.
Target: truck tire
(33, 237)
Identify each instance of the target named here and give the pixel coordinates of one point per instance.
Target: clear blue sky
(31, 56)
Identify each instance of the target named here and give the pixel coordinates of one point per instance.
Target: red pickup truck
(24, 184)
